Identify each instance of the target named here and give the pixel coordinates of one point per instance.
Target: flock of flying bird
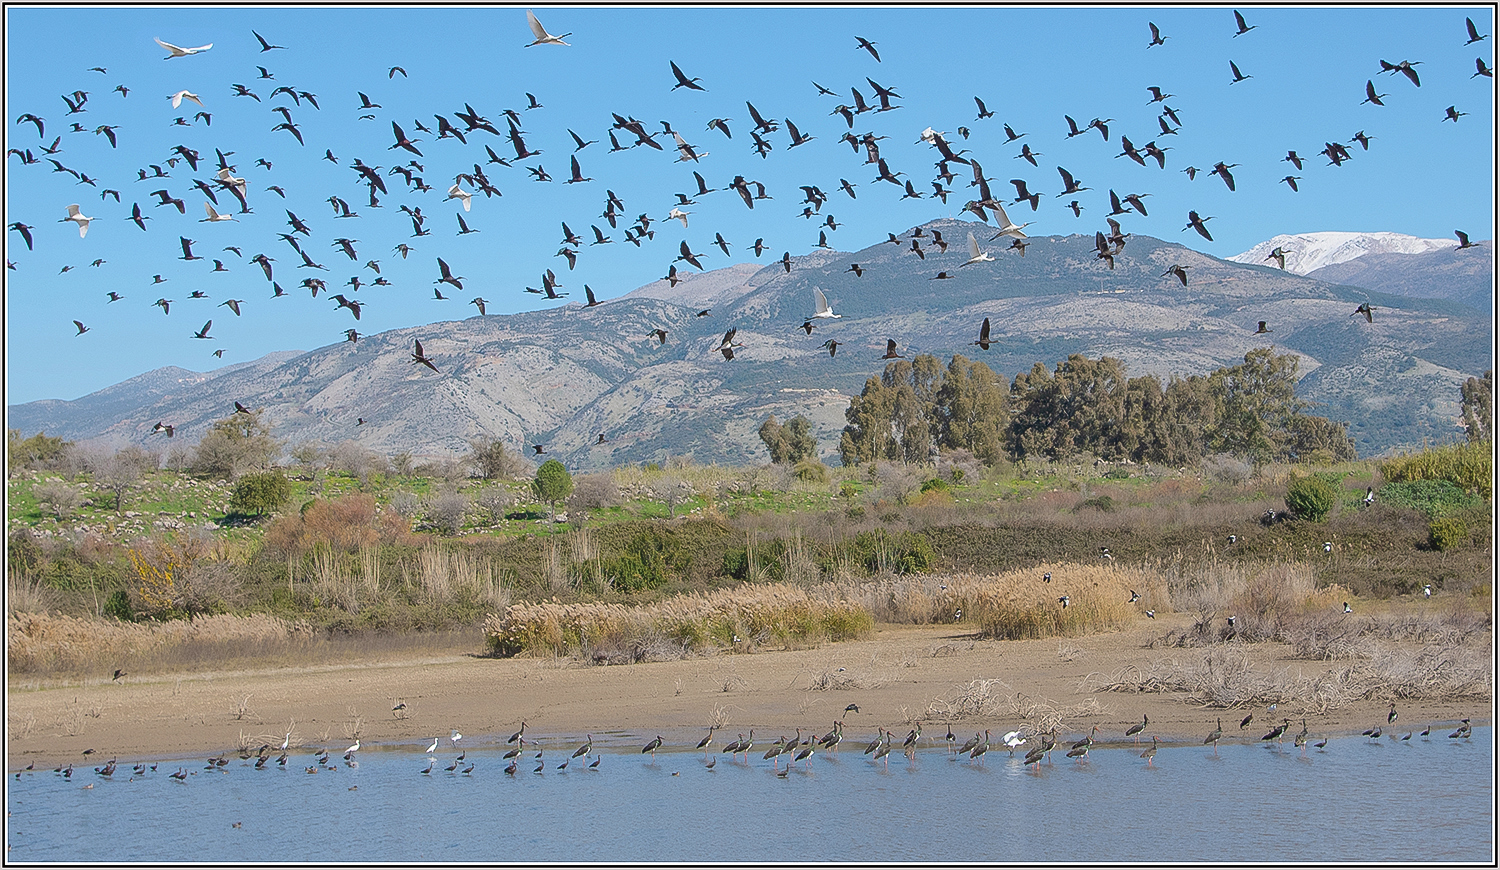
(795, 749)
(626, 133)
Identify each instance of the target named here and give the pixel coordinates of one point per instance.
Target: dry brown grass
(741, 619)
(1229, 676)
(38, 643)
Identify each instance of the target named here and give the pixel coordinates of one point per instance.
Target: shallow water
(1359, 800)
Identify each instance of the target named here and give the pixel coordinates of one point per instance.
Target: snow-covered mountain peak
(1308, 252)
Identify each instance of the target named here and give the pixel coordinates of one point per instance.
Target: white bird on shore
(1012, 740)
(180, 52)
(541, 34)
(433, 748)
(286, 741)
(79, 218)
(354, 748)
(976, 255)
(455, 737)
(178, 97)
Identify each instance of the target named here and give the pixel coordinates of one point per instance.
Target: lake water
(1430, 801)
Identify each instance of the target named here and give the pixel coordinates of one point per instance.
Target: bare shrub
(495, 501)
(673, 490)
(593, 492)
(58, 498)
(405, 504)
(355, 460)
(1226, 468)
(895, 482)
(345, 524)
(446, 512)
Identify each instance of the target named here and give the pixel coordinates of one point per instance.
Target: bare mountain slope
(564, 375)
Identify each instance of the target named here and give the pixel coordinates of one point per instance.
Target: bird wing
(820, 302)
(537, 29)
(973, 247)
(984, 330)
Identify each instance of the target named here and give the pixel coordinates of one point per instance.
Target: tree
(233, 445)
(116, 473)
(1076, 409)
(1257, 400)
(1479, 407)
(260, 493)
(553, 484)
(969, 411)
(38, 451)
(791, 443)
(494, 461)
(1311, 498)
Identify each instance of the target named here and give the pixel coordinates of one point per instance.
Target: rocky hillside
(565, 375)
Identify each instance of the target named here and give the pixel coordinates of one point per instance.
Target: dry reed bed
(741, 618)
(42, 643)
(1013, 605)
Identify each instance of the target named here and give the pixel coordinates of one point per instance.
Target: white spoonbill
(540, 32)
(79, 218)
(180, 52)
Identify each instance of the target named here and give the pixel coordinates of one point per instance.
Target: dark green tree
(1257, 400)
(260, 493)
(553, 484)
(791, 443)
(969, 411)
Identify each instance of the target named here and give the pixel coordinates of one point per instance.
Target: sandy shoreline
(901, 673)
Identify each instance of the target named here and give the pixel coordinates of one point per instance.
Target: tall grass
(1013, 604)
(743, 618)
(46, 643)
(1470, 465)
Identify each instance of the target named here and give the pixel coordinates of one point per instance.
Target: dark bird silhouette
(1453, 114)
(1291, 181)
(1481, 70)
(890, 350)
(869, 46)
(420, 358)
(683, 81)
(1238, 76)
(1239, 23)
(1473, 32)
(1262, 329)
(1370, 95)
(1278, 254)
(1222, 170)
(1463, 240)
(203, 333)
(660, 335)
(1197, 223)
(984, 335)
(1070, 186)
(1156, 37)
(81, 328)
(1179, 271)
(448, 276)
(1405, 68)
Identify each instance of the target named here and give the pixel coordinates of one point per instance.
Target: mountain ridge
(562, 376)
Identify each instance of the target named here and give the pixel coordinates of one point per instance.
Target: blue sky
(1421, 176)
